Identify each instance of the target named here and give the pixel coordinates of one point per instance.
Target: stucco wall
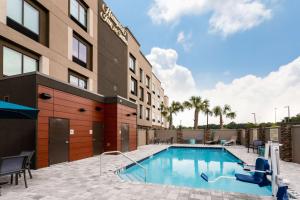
(225, 134)
(166, 134)
(142, 137)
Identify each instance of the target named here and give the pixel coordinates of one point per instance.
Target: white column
(90, 85)
(44, 65)
(90, 22)
(70, 43)
(3, 11)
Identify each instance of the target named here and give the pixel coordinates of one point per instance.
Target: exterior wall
(166, 134)
(166, 104)
(141, 62)
(193, 134)
(112, 61)
(115, 116)
(295, 143)
(225, 134)
(253, 135)
(272, 134)
(58, 51)
(157, 99)
(142, 137)
(64, 105)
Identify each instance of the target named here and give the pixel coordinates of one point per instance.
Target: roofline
(133, 36)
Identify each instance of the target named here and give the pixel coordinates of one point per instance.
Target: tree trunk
(221, 121)
(196, 116)
(206, 120)
(171, 121)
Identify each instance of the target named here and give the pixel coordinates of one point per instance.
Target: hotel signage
(108, 17)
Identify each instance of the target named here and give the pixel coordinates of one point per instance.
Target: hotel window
(27, 17)
(148, 81)
(148, 98)
(78, 11)
(141, 76)
(81, 52)
(153, 88)
(141, 112)
(133, 86)
(15, 63)
(153, 117)
(77, 80)
(132, 63)
(141, 94)
(153, 102)
(147, 114)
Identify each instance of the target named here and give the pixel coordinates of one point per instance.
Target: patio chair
(29, 155)
(232, 141)
(255, 145)
(214, 141)
(13, 165)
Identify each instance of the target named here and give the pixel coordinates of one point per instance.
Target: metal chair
(13, 165)
(29, 155)
(255, 145)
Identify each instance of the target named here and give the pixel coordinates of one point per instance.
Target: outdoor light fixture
(128, 115)
(82, 110)
(134, 113)
(98, 108)
(45, 96)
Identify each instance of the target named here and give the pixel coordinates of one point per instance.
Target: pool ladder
(124, 155)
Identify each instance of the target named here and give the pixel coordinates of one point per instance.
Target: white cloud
(185, 40)
(246, 95)
(227, 16)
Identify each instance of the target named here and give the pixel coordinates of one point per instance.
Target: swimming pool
(182, 166)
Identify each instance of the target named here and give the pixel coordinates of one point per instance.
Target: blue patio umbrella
(15, 111)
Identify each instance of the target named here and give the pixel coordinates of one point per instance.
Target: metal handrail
(129, 158)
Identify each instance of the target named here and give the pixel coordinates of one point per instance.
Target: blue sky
(213, 58)
(225, 42)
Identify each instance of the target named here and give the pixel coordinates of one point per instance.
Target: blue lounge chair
(262, 169)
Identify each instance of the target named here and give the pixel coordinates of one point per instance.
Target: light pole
(289, 113)
(275, 115)
(254, 115)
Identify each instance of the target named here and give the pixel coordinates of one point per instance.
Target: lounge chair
(262, 169)
(13, 166)
(255, 145)
(232, 141)
(214, 141)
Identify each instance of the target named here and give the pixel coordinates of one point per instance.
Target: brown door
(58, 140)
(124, 137)
(97, 138)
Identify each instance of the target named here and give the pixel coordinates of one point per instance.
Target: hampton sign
(108, 17)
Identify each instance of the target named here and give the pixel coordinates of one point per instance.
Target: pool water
(183, 167)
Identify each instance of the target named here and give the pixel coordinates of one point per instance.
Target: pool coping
(184, 146)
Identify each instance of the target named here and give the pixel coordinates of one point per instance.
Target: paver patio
(81, 180)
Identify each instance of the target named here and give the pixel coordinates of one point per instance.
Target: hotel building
(71, 60)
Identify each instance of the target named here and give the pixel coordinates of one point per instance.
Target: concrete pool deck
(81, 180)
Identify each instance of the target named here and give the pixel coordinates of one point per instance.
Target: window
(148, 81)
(24, 14)
(141, 94)
(141, 111)
(147, 114)
(80, 51)
(148, 98)
(153, 102)
(77, 80)
(132, 63)
(153, 88)
(17, 63)
(78, 13)
(141, 76)
(133, 86)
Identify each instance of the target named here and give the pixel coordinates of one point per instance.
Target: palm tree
(207, 111)
(170, 111)
(195, 102)
(225, 111)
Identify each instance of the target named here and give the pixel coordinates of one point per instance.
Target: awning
(15, 111)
